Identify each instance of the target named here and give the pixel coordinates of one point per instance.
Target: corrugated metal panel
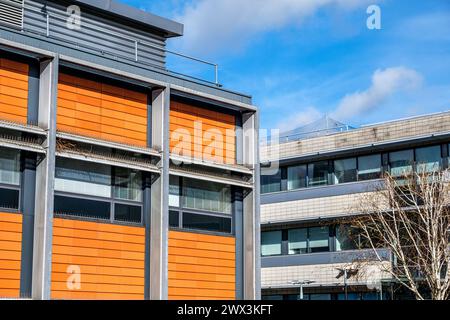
(11, 12)
(95, 35)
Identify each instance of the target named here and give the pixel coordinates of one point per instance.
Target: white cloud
(385, 83)
(216, 24)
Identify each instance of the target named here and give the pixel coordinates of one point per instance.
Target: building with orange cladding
(120, 179)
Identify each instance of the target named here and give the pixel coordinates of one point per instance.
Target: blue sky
(300, 59)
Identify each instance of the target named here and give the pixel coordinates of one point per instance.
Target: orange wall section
(101, 111)
(201, 267)
(10, 254)
(13, 91)
(110, 260)
(182, 120)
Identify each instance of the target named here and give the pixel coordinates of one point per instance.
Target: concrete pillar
(251, 222)
(159, 224)
(45, 171)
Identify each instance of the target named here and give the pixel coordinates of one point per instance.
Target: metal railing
(314, 133)
(138, 44)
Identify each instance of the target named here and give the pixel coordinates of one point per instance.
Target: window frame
(181, 210)
(13, 187)
(112, 200)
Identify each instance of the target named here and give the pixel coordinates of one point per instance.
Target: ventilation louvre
(11, 13)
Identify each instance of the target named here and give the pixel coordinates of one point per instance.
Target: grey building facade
(304, 205)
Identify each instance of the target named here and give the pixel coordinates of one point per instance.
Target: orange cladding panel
(202, 133)
(97, 261)
(13, 91)
(101, 111)
(10, 254)
(201, 266)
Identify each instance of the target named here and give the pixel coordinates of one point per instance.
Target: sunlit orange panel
(202, 134)
(10, 254)
(102, 111)
(201, 267)
(13, 91)
(93, 261)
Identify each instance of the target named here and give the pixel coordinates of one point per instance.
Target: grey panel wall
(97, 34)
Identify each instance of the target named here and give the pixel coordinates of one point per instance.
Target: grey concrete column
(159, 222)
(251, 221)
(28, 186)
(45, 172)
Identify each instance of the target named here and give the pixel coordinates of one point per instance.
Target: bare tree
(410, 216)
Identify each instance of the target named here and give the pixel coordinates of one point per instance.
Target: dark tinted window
(270, 183)
(82, 207)
(318, 173)
(345, 170)
(9, 199)
(127, 213)
(174, 219)
(208, 223)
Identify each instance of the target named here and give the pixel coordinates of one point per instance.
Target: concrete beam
(251, 228)
(159, 225)
(45, 171)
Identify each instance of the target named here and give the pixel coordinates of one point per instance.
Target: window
(400, 162)
(211, 200)
(318, 174)
(127, 184)
(369, 167)
(206, 222)
(319, 239)
(174, 219)
(206, 196)
(298, 241)
(345, 170)
(347, 238)
(271, 243)
(98, 191)
(174, 191)
(9, 198)
(308, 240)
(82, 207)
(9, 167)
(296, 177)
(9, 178)
(92, 179)
(428, 159)
(127, 213)
(270, 183)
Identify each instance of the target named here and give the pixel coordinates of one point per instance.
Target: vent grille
(11, 13)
